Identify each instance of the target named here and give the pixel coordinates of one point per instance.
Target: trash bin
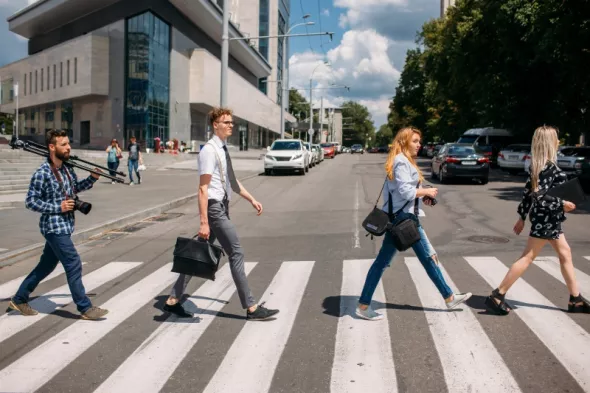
(157, 146)
(194, 146)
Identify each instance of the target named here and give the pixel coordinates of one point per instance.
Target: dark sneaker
(22, 308)
(261, 313)
(94, 313)
(177, 310)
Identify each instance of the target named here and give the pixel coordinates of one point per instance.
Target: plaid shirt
(45, 196)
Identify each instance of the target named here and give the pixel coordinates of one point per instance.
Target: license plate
(563, 163)
(513, 158)
(469, 162)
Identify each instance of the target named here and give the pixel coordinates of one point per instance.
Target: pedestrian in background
(134, 160)
(403, 186)
(546, 215)
(114, 155)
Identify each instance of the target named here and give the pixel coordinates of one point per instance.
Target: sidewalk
(115, 205)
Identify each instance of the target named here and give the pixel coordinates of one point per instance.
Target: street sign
(310, 131)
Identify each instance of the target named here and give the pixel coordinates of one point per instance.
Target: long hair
(543, 150)
(401, 144)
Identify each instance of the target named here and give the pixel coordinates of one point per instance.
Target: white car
(286, 155)
(320, 152)
(313, 157)
(512, 158)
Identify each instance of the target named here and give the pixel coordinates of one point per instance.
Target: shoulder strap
(220, 166)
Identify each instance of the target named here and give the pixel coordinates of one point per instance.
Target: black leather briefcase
(196, 257)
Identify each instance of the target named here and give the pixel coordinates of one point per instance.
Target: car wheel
(306, 169)
(302, 172)
(267, 172)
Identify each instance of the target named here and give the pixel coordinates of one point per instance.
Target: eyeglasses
(227, 123)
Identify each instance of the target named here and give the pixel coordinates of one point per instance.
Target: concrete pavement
(307, 255)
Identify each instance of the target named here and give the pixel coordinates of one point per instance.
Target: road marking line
(12, 322)
(552, 267)
(3, 249)
(565, 339)
(469, 359)
(360, 341)
(249, 364)
(151, 365)
(8, 289)
(37, 367)
(588, 258)
(357, 242)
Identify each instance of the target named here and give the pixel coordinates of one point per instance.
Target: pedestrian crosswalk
(362, 358)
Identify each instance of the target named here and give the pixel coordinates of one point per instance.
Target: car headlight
(296, 157)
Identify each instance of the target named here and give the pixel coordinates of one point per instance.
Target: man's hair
(216, 113)
(52, 135)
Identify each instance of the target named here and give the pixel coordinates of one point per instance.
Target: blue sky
(367, 53)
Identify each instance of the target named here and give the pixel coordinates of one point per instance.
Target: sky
(367, 52)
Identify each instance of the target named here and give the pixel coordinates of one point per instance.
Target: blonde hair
(401, 144)
(543, 150)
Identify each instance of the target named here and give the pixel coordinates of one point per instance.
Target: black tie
(230, 172)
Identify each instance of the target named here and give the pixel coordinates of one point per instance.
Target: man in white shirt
(217, 180)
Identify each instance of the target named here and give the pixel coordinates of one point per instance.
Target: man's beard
(62, 156)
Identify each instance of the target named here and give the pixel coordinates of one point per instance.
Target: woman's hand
(431, 192)
(568, 206)
(519, 226)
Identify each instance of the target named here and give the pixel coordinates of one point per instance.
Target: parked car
(286, 155)
(329, 149)
(313, 157)
(585, 177)
(488, 140)
(572, 159)
(560, 153)
(357, 148)
(460, 160)
(513, 157)
(338, 147)
(320, 151)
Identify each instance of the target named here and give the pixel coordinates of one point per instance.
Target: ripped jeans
(425, 253)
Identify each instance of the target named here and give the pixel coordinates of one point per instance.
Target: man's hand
(67, 205)
(204, 231)
(258, 206)
(95, 175)
(519, 226)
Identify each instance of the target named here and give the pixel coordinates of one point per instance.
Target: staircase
(16, 169)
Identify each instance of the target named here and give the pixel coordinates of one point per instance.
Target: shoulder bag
(196, 257)
(377, 221)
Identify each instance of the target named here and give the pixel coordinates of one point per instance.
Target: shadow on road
(332, 304)
(190, 306)
(477, 303)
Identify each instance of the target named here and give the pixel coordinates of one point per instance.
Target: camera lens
(83, 207)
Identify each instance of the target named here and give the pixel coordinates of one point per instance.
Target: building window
(25, 84)
(263, 23)
(279, 65)
(68, 73)
(61, 74)
(35, 81)
(42, 84)
(75, 70)
(30, 83)
(147, 99)
(48, 84)
(54, 73)
(262, 85)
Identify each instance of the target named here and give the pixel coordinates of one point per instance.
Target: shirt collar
(218, 141)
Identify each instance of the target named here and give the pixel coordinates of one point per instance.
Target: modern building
(444, 4)
(106, 69)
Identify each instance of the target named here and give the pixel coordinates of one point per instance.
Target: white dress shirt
(209, 165)
(403, 186)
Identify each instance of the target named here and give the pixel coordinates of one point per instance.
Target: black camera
(81, 206)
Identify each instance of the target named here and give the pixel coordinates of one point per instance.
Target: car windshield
(284, 145)
(461, 151)
(581, 152)
(467, 139)
(519, 148)
(327, 145)
(356, 146)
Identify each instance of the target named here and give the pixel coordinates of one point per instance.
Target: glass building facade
(147, 99)
(263, 29)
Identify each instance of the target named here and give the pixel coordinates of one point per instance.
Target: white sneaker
(369, 314)
(458, 298)
(131, 183)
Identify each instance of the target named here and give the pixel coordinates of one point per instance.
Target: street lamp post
(224, 54)
(310, 131)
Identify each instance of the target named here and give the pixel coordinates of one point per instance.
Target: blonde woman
(546, 216)
(402, 188)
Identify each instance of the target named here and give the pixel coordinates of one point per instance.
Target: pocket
(215, 210)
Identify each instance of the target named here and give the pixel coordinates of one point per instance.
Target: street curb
(10, 204)
(5, 259)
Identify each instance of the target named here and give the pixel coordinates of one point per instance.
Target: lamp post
(310, 131)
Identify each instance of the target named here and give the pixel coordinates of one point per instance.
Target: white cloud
(326, 12)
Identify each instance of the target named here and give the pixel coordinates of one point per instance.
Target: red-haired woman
(402, 187)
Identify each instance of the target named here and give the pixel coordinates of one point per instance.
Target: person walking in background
(134, 160)
(402, 189)
(114, 154)
(546, 216)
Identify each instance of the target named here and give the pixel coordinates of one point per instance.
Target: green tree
(298, 105)
(358, 126)
(384, 136)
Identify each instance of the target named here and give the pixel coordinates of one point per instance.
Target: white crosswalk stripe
(7, 290)
(47, 303)
(38, 366)
(465, 349)
(588, 258)
(251, 360)
(150, 366)
(469, 359)
(361, 342)
(554, 328)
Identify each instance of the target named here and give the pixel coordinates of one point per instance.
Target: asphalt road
(308, 256)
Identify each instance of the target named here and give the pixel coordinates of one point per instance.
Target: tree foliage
(357, 126)
(298, 105)
(513, 64)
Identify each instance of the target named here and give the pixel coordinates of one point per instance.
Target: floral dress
(547, 212)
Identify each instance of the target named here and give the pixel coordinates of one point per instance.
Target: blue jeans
(57, 248)
(113, 166)
(425, 253)
(132, 166)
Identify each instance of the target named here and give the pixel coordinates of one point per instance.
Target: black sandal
(498, 308)
(578, 304)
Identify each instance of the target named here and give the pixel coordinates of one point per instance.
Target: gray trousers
(223, 230)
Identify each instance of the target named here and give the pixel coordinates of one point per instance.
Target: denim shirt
(403, 186)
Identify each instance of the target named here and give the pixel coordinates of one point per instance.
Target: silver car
(513, 157)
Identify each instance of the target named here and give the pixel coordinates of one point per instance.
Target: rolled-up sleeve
(402, 173)
(207, 160)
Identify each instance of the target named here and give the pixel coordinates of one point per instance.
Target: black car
(460, 160)
(585, 177)
(357, 149)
